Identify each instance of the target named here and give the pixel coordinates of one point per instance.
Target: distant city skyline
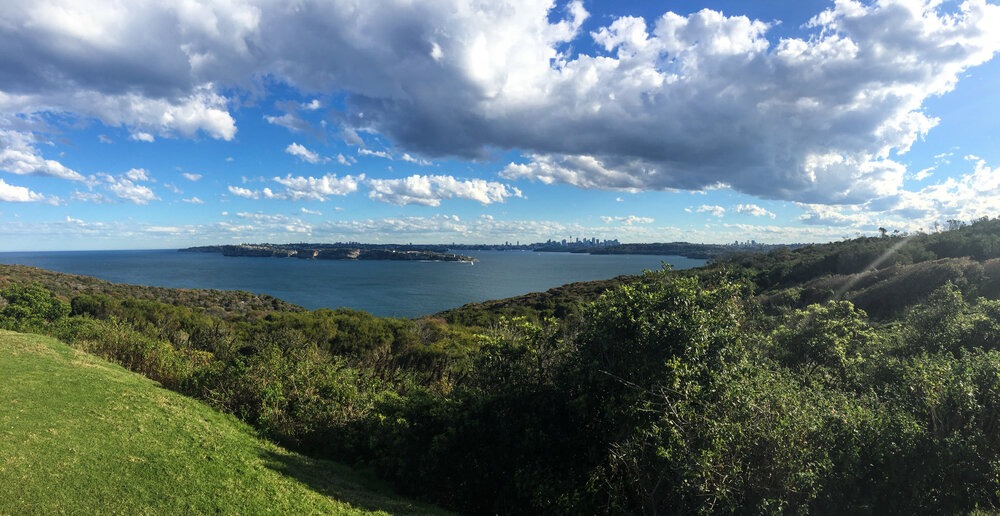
(148, 125)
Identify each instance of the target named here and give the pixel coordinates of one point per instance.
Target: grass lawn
(81, 435)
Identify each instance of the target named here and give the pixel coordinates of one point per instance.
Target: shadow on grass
(345, 484)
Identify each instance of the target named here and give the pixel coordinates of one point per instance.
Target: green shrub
(30, 308)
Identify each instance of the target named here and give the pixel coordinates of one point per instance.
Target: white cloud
(675, 102)
(11, 193)
(307, 211)
(137, 174)
(377, 154)
(246, 193)
(194, 200)
(629, 220)
(688, 102)
(191, 177)
(303, 153)
(318, 188)
(924, 173)
(966, 197)
(716, 211)
(842, 216)
(431, 190)
(754, 210)
(124, 187)
(410, 159)
(581, 171)
(202, 110)
(303, 188)
(19, 156)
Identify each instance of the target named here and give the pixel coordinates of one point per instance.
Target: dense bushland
(757, 384)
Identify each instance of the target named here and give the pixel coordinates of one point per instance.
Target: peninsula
(333, 252)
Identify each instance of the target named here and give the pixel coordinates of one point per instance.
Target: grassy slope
(80, 435)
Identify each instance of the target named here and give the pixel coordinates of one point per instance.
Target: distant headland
(444, 252)
(333, 252)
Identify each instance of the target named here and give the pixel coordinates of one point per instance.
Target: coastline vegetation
(858, 376)
(83, 436)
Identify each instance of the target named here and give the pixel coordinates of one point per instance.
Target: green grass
(81, 435)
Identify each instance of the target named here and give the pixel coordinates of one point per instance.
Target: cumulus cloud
(247, 193)
(431, 190)
(318, 188)
(844, 216)
(191, 177)
(126, 187)
(810, 119)
(966, 197)
(582, 171)
(18, 155)
(754, 210)
(714, 210)
(193, 200)
(82, 58)
(673, 102)
(301, 152)
(137, 174)
(11, 193)
(299, 188)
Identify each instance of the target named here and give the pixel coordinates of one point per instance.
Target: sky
(138, 124)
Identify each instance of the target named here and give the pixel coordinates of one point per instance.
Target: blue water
(385, 288)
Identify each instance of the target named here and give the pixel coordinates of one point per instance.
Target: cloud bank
(431, 190)
(677, 102)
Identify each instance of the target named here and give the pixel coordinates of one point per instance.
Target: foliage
(30, 308)
(82, 436)
(831, 342)
(860, 376)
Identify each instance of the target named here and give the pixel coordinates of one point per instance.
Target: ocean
(384, 288)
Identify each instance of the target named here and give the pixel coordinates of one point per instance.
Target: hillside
(80, 435)
(860, 376)
(224, 303)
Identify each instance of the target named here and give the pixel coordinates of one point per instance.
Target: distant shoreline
(330, 252)
(444, 253)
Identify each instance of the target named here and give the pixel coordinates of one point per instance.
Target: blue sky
(128, 125)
